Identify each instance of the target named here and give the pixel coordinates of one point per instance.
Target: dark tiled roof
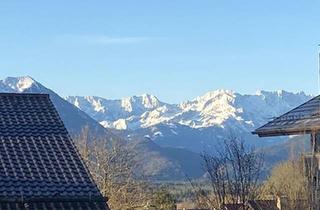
(300, 120)
(38, 160)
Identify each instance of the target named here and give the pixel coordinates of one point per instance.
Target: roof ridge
(23, 94)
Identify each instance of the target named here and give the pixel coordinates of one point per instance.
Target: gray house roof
(40, 167)
(301, 120)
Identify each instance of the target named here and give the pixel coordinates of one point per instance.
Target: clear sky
(175, 49)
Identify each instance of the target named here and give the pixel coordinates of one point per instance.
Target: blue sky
(175, 49)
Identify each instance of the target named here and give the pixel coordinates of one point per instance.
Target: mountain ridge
(211, 109)
(193, 124)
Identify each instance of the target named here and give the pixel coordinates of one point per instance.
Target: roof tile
(38, 159)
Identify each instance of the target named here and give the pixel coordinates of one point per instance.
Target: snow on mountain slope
(213, 108)
(222, 108)
(128, 113)
(16, 84)
(195, 124)
(19, 84)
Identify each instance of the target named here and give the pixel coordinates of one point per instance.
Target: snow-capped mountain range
(193, 125)
(222, 108)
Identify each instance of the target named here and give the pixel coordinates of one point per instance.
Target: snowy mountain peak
(217, 94)
(144, 101)
(150, 101)
(19, 84)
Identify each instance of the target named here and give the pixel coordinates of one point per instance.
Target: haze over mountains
(168, 137)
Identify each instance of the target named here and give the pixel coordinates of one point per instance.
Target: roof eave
(282, 132)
